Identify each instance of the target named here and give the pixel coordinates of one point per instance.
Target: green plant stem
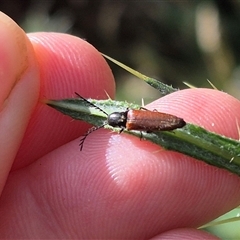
(191, 140)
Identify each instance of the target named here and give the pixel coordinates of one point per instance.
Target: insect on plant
(140, 120)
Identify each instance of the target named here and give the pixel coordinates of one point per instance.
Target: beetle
(140, 120)
(144, 120)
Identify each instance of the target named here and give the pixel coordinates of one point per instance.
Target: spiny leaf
(191, 140)
(163, 88)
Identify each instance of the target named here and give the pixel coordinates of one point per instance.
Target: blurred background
(172, 41)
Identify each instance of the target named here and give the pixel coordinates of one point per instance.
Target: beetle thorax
(117, 119)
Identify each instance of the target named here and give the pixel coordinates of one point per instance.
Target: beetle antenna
(93, 105)
(92, 129)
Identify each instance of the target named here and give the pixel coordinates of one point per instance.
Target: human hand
(118, 186)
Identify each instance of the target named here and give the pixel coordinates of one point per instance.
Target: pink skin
(118, 186)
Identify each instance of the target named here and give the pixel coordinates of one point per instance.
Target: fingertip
(145, 179)
(17, 59)
(18, 91)
(214, 110)
(70, 64)
(67, 65)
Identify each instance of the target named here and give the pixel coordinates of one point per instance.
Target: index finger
(67, 64)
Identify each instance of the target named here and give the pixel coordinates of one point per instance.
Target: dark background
(173, 41)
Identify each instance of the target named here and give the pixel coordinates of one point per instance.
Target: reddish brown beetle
(140, 120)
(144, 120)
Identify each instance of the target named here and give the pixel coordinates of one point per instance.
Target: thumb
(19, 86)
